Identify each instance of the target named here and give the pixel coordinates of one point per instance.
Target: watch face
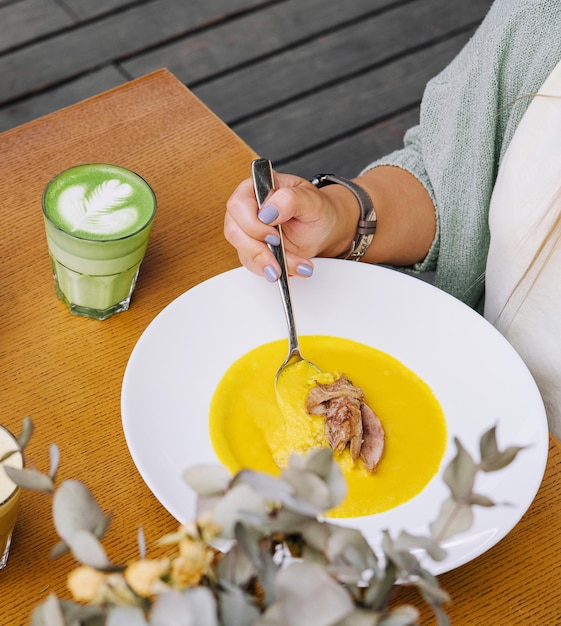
(320, 180)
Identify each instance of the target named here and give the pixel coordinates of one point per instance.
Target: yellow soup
(248, 429)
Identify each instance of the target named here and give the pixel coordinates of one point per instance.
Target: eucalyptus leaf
(406, 541)
(500, 460)
(248, 539)
(278, 521)
(378, 592)
(240, 499)
(492, 459)
(310, 488)
(30, 479)
(337, 484)
(206, 504)
(75, 509)
(102, 525)
(348, 545)
(59, 550)
(8, 454)
(347, 575)
(87, 549)
(434, 596)
(441, 617)
(26, 432)
(54, 612)
(404, 560)
(236, 567)
(285, 491)
(431, 590)
(125, 616)
(49, 613)
(203, 605)
(311, 554)
(401, 616)
(208, 479)
(316, 533)
(407, 563)
(319, 460)
(54, 459)
(488, 447)
(266, 576)
(480, 500)
(301, 506)
(265, 485)
(75, 613)
(173, 608)
(271, 617)
(452, 519)
(460, 473)
(307, 594)
(236, 608)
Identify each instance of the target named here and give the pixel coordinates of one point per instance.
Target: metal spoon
(263, 183)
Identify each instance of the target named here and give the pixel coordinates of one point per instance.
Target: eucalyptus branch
(27, 477)
(261, 555)
(22, 439)
(456, 513)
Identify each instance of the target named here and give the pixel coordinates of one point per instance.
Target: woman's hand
(323, 222)
(310, 221)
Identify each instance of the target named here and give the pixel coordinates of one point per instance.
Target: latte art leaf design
(100, 211)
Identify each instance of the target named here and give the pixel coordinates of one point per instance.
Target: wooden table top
(66, 372)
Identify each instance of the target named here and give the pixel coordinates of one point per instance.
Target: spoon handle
(263, 183)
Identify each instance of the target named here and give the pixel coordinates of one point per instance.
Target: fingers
(257, 256)
(247, 233)
(249, 229)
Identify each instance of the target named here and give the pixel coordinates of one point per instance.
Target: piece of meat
(373, 438)
(319, 395)
(348, 420)
(343, 424)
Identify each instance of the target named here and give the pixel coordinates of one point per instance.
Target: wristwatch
(366, 227)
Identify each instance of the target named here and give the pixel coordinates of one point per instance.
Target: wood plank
(344, 52)
(94, 44)
(232, 44)
(69, 93)
(24, 21)
(325, 115)
(349, 155)
(86, 9)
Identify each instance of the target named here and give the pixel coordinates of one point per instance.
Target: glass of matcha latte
(98, 218)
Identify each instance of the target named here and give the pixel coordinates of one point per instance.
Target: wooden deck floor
(312, 84)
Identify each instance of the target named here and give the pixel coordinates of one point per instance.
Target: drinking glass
(9, 493)
(98, 218)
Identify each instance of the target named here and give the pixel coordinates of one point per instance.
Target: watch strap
(366, 227)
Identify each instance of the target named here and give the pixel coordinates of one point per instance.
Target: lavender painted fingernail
(272, 240)
(268, 214)
(271, 273)
(304, 269)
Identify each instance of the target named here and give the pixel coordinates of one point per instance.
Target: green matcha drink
(98, 218)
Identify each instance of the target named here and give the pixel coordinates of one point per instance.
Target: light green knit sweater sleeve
(468, 116)
(410, 158)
